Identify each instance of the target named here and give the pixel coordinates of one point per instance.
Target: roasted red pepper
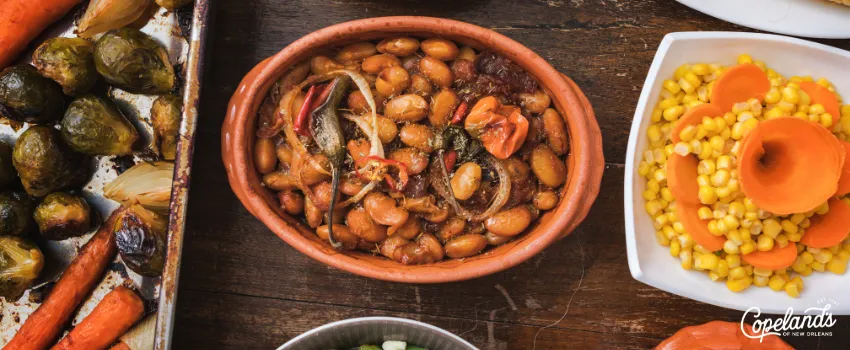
(450, 158)
(460, 112)
(316, 95)
(374, 168)
(501, 129)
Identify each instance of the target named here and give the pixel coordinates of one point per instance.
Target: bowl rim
(376, 319)
(586, 162)
(643, 104)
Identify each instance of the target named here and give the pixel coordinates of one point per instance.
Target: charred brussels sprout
(7, 171)
(62, 215)
(20, 263)
(165, 114)
(68, 61)
(45, 164)
(93, 125)
(15, 213)
(140, 235)
(133, 61)
(26, 96)
(173, 4)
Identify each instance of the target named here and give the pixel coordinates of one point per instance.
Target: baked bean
(411, 64)
(341, 234)
(265, 159)
(465, 246)
(358, 148)
(392, 81)
(451, 228)
(294, 76)
(549, 169)
(322, 194)
(556, 132)
(477, 228)
(375, 64)
(432, 245)
(357, 102)
(313, 214)
(350, 185)
(466, 53)
(415, 160)
(356, 52)
(292, 202)
(463, 70)
(391, 244)
(284, 153)
(410, 229)
(496, 240)
(442, 106)
(425, 204)
(322, 65)
(339, 216)
(406, 108)
(401, 46)
(466, 180)
(545, 200)
(384, 210)
(387, 129)
(279, 181)
(436, 71)
(438, 216)
(509, 222)
(361, 225)
(536, 102)
(440, 49)
(315, 171)
(418, 136)
(517, 169)
(420, 85)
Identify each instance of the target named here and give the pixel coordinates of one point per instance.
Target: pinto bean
(312, 171)
(442, 106)
(375, 64)
(313, 214)
(432, 245)
(466, 53)
(410, 229)
(357, 102)
(466, 180)
(418, 136)
(341, 234)
(406, 108)
(322, 194)
(436, 71)
(509, 222)
(387, 129)
(322, 65)
(517, 169)
(438, 216)
(440, 49)
(358, 148)
(356, 52)
(361, 225)
(465, 246)
(496, 240)
(415, 160)
(463, 70)
(279, 181)
(384, 210)
(535, 102)
(284, 153)
(556, 132)
(291, 201)
(265, 159)
(545, 200)
(401, 46)
(392, 81)
(451, 228)
(351, 185)
(549, 169)
(420, 85)
(391, 244)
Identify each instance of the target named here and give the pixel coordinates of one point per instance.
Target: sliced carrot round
(788, 165)
(774, 259)
(739, 84)
(682, 178)
(829, 229)
(717, 335)
(844, 180)
(698, 228)
(821, 95)
(694, 117)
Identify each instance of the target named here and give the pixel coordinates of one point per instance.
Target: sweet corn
(701, 69)
(739, 284)
(760, 281)
(737, 273)
(776, 283)
(792, 290)
(734, 260)
(673, 113)
(744, 58)
(765, 243)
(747, 248)
(706, 261)
(837, 266)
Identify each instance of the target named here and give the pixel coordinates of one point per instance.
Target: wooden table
(243, 288)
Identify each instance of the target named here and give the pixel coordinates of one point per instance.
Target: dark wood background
(243, 288)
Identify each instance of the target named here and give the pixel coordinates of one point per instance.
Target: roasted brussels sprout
(173, 4)
(7, 171)
(62, 215)
(68, 61)
(26, 96)
(45, 164)
(20, 263)
(133, 61)
(15, 213)
(141, 237)
(165, 114)
(93, 125)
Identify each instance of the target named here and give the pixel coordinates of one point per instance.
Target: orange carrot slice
(789, 165)
(829, 229)
(774, 259)
(682, 178)
(739, 84)
(844, 180)
(721, 335)
(698, 228)
(694, 117)
(822, 95)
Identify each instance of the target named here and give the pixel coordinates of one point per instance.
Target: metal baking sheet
(182, 32)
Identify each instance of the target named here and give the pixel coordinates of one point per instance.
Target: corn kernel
(675, 248)
(792, 290)
(782, 241)
(823, 256)
(837, 266)
(681, 71)
(817, 109)
(790, 94)
(737, 273)
(776, 283)
(687, 260)
(707, 195)
(739, 284)
(687, 134)
(701, 69)
(653, 207)
(704, 213)
(734, 260)
(826, 120)
(760, 281)
(764, 243)
(730, 247)
(762, 272)
(807, 257)
(745, 58)
(773, 96)
(673, 113)
(692, 78)
(706, 261)
(789, 226)
(747, 248)
(818, 266)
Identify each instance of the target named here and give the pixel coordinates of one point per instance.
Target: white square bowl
(651, 263)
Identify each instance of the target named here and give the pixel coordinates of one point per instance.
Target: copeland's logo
(813, 318)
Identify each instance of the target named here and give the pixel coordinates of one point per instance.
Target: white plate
(651, 263)
(806, 18)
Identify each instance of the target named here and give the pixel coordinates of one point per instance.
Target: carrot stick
(844, 180)
(47, 322)
(682, 178)
(21, 21)
(774, 259)
(821, 95)
(698, 228)
(113, 316)
(829, 229)
(739, 84)
(694, 117)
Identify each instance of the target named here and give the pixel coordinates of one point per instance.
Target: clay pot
(585, 162)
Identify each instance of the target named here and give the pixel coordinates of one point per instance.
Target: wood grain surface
(243, 288)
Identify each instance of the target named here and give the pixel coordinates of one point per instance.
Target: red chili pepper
(450, 158)
(460, 112)
(403, 176)
(300, 126)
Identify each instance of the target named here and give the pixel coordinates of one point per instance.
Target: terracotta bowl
(585, 162)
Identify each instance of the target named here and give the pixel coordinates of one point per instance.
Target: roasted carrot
(720, 335)
(739, 84)
(682, 178)
(22, 20)
(821, 95)
(829, 229)
(789, 165)
(844, 180)
(698, 228)
(694, 117)
(47, 322)
(115, 314)
(775, 259)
